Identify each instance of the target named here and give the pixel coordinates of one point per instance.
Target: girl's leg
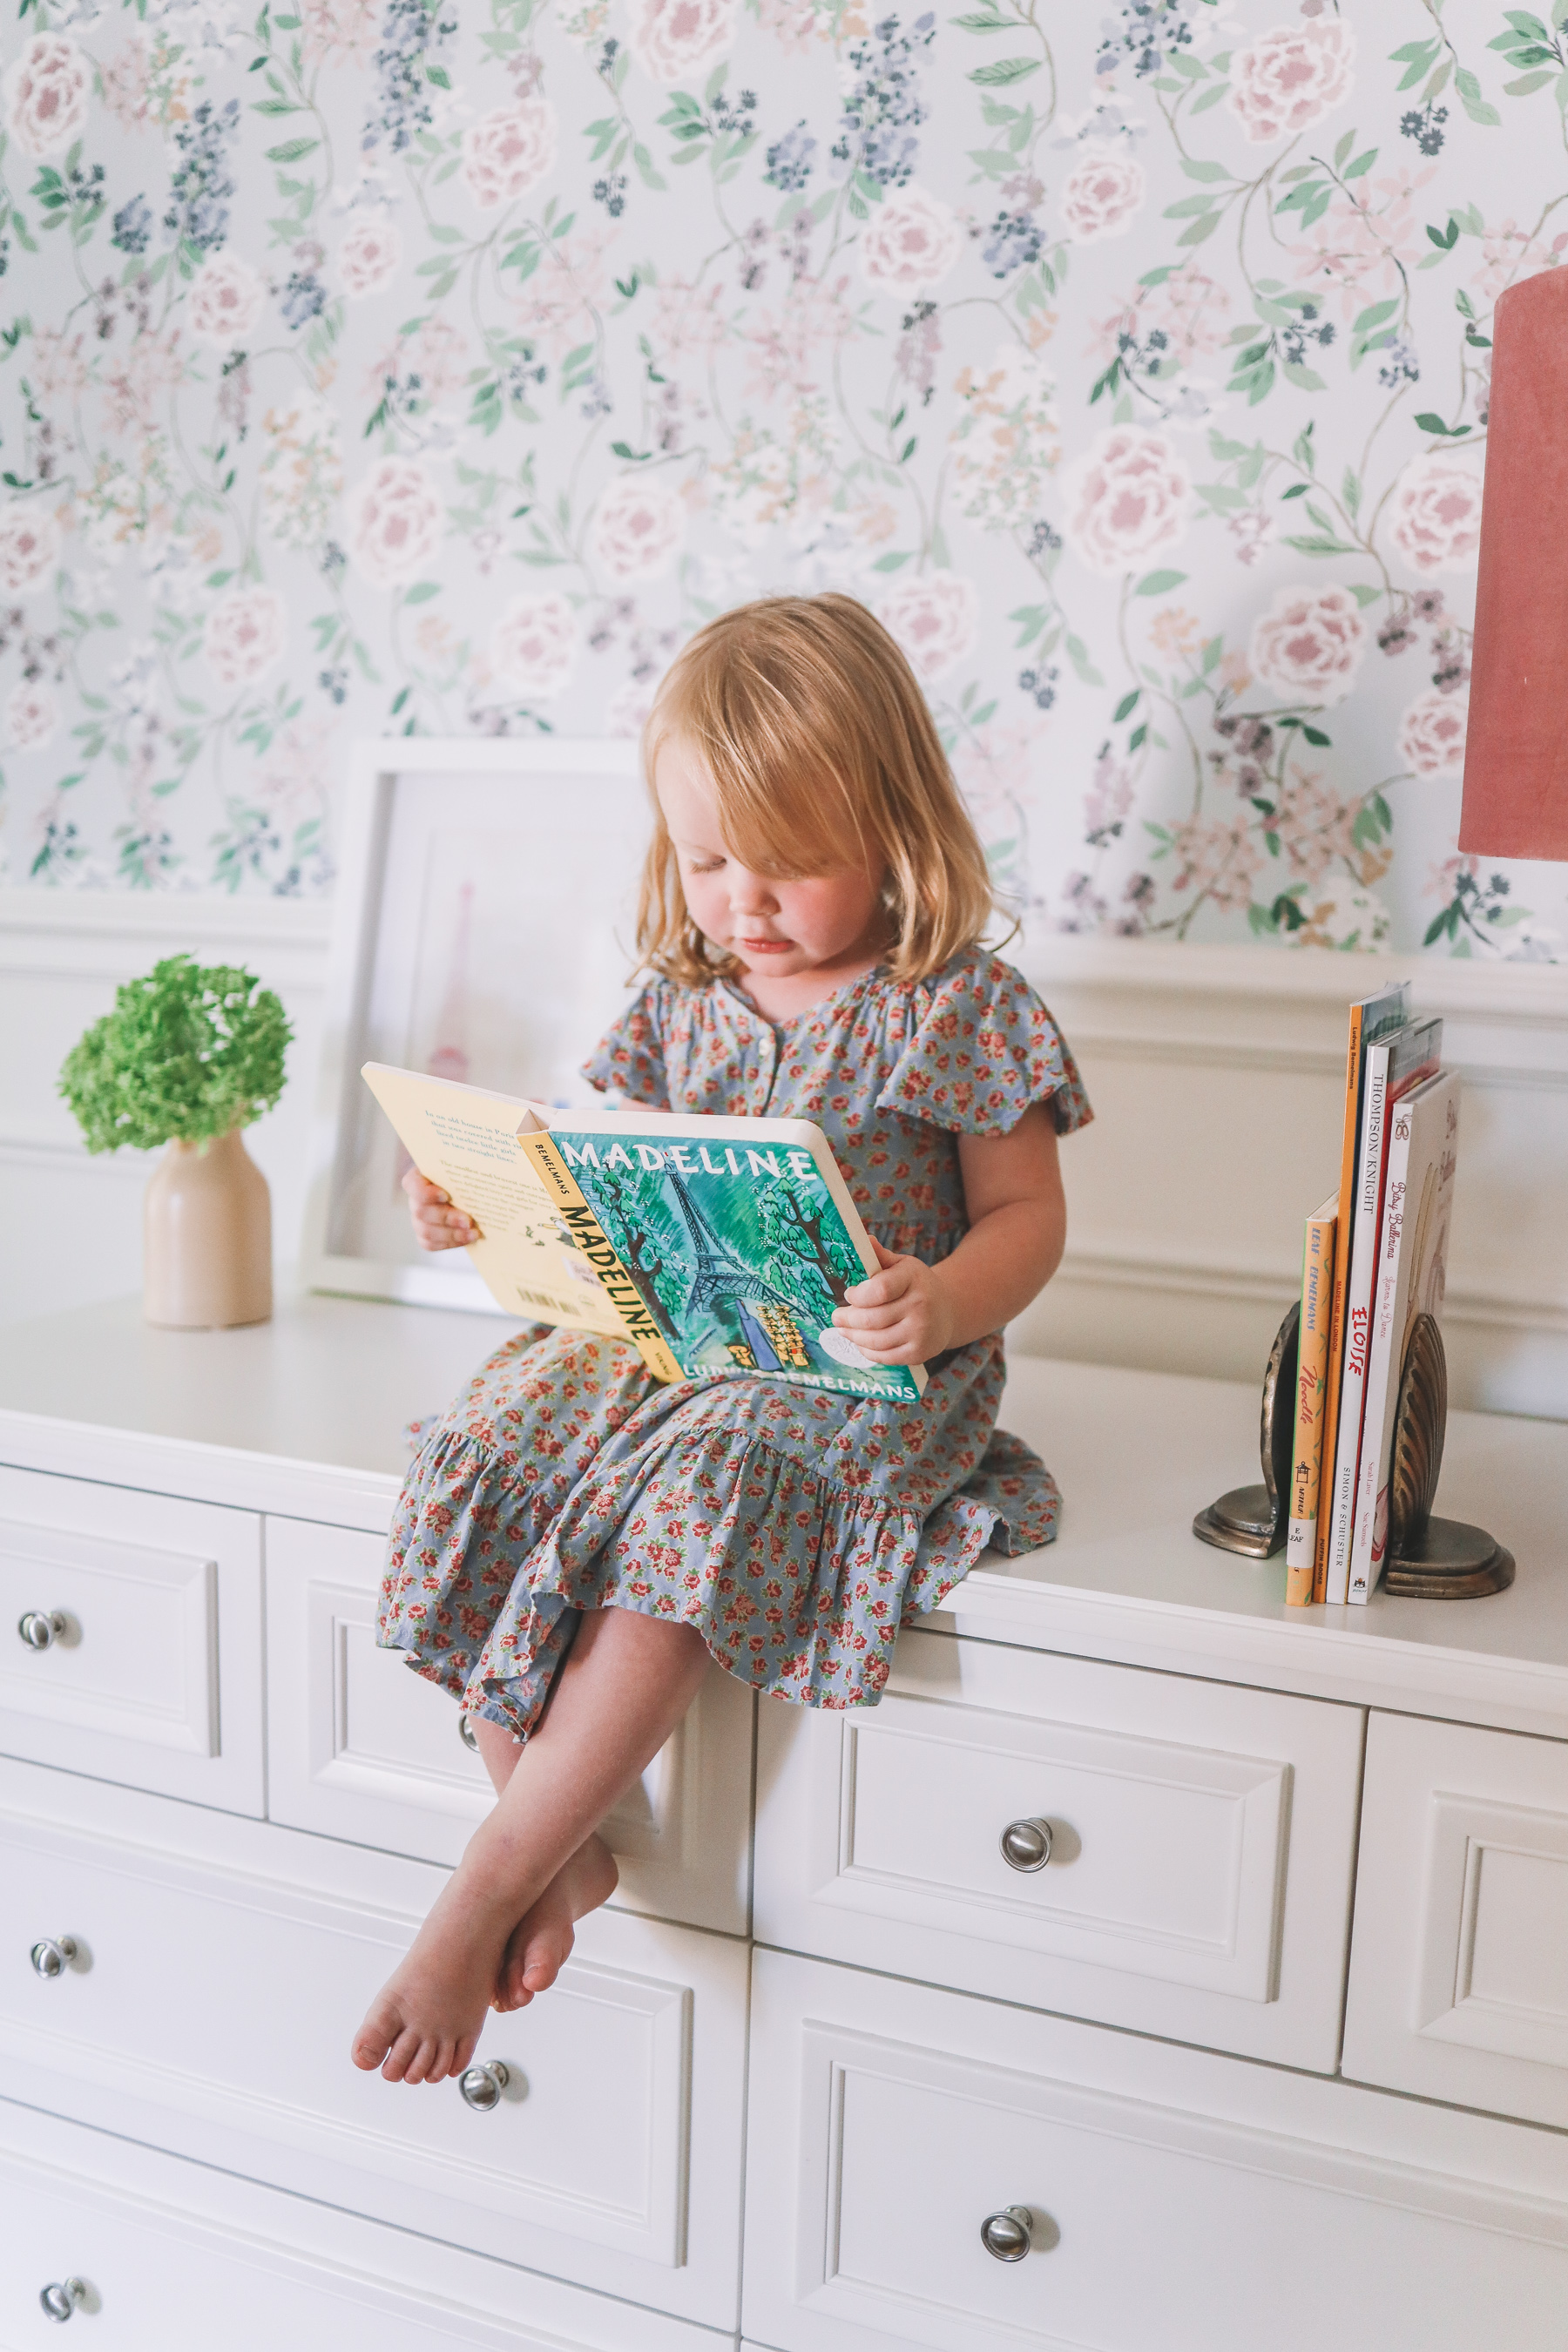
(626, 1683)
(541, 1943)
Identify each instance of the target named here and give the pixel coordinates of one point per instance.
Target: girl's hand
(437, 1225)
(904, 1315)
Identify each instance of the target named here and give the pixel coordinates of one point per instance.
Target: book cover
(713, 1245)
(1371, 1019)
(1312, 1384)
(741, 1236)
(1393, 1067)
(1412, 1276)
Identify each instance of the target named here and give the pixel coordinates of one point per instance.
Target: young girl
(572, 1531)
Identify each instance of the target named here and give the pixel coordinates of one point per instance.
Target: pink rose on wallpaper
(629, 706)
(45, 94)
(395, 520)
(1101, 194)
(638, 528)
(1432, 733)
(1128, 498)
(1309, 645)
(508, 150)
(910, 242)
(30, 542)
(1292, 75)
(245, 633)
(672, 40)
(370, 255)
(1434, 514)
(935, 616)
(31, 715)
(534, 643)
(225, 299)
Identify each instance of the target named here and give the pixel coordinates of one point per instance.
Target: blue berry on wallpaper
(790, 159)
(203, 179)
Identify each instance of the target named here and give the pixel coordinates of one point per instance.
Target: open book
(714, 1244)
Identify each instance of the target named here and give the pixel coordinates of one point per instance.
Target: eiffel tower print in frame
(741, 1237)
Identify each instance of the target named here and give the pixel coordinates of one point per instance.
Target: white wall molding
(73, 1218)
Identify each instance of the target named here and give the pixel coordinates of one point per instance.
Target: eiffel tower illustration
(718, 1273)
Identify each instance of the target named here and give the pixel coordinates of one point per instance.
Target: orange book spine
(1337, 1298)
(1311, 1386)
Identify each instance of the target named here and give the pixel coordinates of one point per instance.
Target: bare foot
(542, 1940)
(424, 2022)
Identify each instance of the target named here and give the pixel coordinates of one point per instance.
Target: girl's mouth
(764, 947)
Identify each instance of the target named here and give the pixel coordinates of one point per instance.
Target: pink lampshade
(1516, 760)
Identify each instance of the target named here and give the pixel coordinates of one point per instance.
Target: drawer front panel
(172, 2258)
(360, 1747)
(1172, 2199)
(1459, 1959)
(584, 2168)
(1199, 1879)
(151, 1671)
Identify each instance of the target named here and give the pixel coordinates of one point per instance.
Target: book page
(466, 1141)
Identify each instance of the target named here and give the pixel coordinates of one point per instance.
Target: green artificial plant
(189, 1051)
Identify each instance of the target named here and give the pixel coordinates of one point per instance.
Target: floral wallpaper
(375, 366)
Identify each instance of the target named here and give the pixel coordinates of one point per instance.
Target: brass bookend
(1253, 1520)
(1428, 1559)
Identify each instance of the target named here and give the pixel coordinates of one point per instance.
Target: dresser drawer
(1202, 1842)
(360, 1747)
(1176, 2201)
(1458, 1984)
(175, 2258)
(216, 1986)
(150, 1610)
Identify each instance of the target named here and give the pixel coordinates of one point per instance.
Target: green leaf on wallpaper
(1374, 316)
(1195, 231)
(1302, 450)
(1470, 99)
(1004, 71)
(1305, 379)
(894, 560)
(1183, 62)
(1126, 706)
(1197, 167)
(1156, 583)
(1309, 545)
(1139, 737)
(1213, 648)
(1206, 98)
(1030, 619)
(1350, 491)
(1316, 735)
(1077, 654)
(1364, 594)
(292, 149)
(1343, 150)
(1296, 491)
(1189, 204)
(1526, 82)
(1363, 163)
(976, 23)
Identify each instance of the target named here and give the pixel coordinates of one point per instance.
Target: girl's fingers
(859, 1321)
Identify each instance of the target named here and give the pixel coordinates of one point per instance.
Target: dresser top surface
(307, 1416)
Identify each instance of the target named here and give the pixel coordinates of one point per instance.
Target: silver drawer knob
(62, 2297)
(51, 1955)
(1007, 2234)
(1027, 1846)
(467, 1733)
(481, 2086)
(40, 1629)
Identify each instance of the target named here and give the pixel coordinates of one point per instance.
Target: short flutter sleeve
(629, 1058)
(983, 1049)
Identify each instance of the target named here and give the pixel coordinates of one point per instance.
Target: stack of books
(1376, 1256)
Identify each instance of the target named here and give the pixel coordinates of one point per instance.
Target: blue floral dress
(797, 1528)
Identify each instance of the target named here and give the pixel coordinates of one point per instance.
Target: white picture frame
(484, 927)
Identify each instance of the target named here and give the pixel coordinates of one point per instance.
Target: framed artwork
(482, 931)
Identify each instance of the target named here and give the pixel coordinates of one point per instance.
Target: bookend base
(1254, 1520)
(1428, 1559)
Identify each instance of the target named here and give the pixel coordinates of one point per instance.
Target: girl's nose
(751, 894)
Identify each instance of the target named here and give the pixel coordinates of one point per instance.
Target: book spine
(1377, 1420)
(1357, 1322)
(1312, 1384)
(637, 1319)
(1337, 1295)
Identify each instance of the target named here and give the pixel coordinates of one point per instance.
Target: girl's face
(774, 927)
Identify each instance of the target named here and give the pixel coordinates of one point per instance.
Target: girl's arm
(910, 1312)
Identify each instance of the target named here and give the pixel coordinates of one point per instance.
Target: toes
(442, 2065)
(463, 2057)
(375, 2037)
(401, 2056)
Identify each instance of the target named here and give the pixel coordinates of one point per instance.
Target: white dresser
(1268, 2046)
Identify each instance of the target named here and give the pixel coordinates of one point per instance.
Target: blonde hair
(821, 751)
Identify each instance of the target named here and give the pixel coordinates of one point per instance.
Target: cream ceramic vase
(206, 1230)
